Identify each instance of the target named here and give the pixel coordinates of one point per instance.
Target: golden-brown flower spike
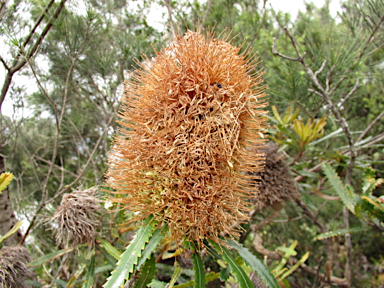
(191, 119)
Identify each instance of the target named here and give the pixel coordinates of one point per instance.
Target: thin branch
(321, 68)
(4, 63)
(69, 186)
(205, 16)
(18, 63)
(274, 51)
(370, 38)
(370, 127)
(169, 8)
(350, 93)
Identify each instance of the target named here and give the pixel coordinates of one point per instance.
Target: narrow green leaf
(240, 276)
(151, 246)
(176, 275)
(108, 257)
(343, 193)
(157, 284)
(199, 270)
(33, 283)
(14, 229)
(130, 257)
(90, 276)
(208, 278)
(110, 249)
(50, 257)
(104, 268)
(294, 267)
(147, 273)
(72, 281)
(256, 265)
(334, 233)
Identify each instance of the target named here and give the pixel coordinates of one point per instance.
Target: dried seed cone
(77, 218)
(13, 267)
(190, 121)
(277, 184)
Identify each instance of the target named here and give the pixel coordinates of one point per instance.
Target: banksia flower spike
(78, 218)
(191, 119)
(13, 267)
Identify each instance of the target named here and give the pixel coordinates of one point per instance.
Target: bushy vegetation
(318, 218)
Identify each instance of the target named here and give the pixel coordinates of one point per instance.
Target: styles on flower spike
(191, 119)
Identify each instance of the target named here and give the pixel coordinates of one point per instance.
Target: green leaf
(208, 278)
(5, 179)
(14, 229)
(256, 265)
(157, 284)
(224, 274)
(147, 273)
(240, 276)
(108, 257)
(289, 251)
(50, 257)
(131, 255)
(110, 249)
(346, 196)
(294, 267)
(334, 233)
(199, 270)
(151, 246)
(175, 275)
(90, 276)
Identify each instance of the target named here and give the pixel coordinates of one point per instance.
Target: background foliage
(326, 87)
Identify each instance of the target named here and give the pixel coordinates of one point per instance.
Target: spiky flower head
(190, 120)
(13, 267)
(78, 218)
(277, 184)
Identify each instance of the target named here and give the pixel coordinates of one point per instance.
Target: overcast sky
(154, 17)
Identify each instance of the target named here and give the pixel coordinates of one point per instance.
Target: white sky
(154, 18)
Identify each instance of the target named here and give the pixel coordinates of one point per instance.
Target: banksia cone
(277, 184)
(190, 121)
(78, 218)
(13, 267)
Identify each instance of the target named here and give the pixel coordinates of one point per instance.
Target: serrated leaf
(224, 274)
(49, 257)
(147, 273)
(343, 193)
(256, 265)
(130, 256)
(334, 233)
(151, 246)
(240, 276)
(199, 270)
(90, 276)
(374, 203)
(110, 249)
(14, 229)
(5, 179)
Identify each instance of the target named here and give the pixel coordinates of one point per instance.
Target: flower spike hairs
(190, 121)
